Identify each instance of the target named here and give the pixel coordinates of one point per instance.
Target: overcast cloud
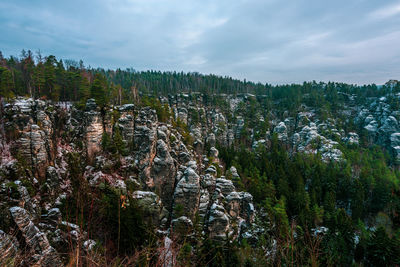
(274, 41)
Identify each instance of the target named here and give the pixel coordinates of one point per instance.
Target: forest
(46, 77)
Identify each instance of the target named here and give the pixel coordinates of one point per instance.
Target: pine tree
(28, 66)
(39, 80)
(357, 202)
(6, 83)
(281, 219)
(383, 250)
(98, 90)
(120, 147)
(49, 77)
(84, 87)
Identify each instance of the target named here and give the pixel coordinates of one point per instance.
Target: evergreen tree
(7, 86)
(98, 90)
(383, 250)
(357, 202)
(39, 80)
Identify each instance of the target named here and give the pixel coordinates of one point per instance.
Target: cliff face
(174, 183)
(29, 123)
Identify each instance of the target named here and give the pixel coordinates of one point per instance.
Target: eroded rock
(44, 254)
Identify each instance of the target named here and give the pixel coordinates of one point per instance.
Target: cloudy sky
(274, 41)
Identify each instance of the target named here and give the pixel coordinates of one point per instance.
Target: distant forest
(55, 79)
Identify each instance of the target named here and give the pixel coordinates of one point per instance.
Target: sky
(268, 41)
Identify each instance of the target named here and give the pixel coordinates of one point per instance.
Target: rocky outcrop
(174, 174)
(240, 204)
(310, 140)
(233, 174)
(25, 200)
(395, 145)
(52, 182)
(218, 222)
(8, 249)
(389, 126)
(380, 121)
(93, 128)
(229, 210)
(43, 253)
(352, 138)
(239, 126)
(167, 181)
(163, 173)
(203, 205)
(126, 122)
(181, 227)
(182, 114)
(152, 207)
(214, 152)
(224, 186)
(145, 138)
(281, 131)
(187, 194)
(32, 146)
(30, 124)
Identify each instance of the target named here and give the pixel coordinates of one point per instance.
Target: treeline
(47, 77)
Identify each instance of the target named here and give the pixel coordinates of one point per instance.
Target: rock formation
(172, 174)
